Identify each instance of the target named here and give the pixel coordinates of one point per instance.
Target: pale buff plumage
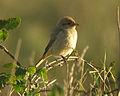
(62, 40)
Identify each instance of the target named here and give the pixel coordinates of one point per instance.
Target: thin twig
(10, 54)
(82, 56)
(18, 49)
(67, 71)
(118, 20)
(71, 79)
(104, 68)
(51, 82)
(118, 25)
(96, 71)
(68, 85)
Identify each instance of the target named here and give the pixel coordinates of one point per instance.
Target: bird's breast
(71, 38)
(65, 43)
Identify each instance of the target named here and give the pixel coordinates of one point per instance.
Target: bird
(63, 39)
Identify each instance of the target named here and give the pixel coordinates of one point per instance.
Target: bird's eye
(69, 23)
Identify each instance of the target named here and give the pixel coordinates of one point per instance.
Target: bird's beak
(76, 24)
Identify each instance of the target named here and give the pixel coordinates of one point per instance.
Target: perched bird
(62, 40)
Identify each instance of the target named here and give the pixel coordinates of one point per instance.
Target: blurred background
(97, 29)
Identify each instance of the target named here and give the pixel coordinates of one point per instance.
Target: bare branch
(10, 54)
(118, 20)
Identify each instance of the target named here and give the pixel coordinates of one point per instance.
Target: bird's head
(67, 22)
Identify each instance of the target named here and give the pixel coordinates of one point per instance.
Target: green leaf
(4, 79)
(13, 81)
(31, 69)
(56, 91)
(42, 72)
(10, 23)
(20, 86)
(34, 92)
(3, 23)
(3, 35)
(37, 94)
(9, 66)
(20, 73)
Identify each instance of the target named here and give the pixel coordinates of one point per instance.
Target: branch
(118, 21)
(10, 54)
(118, 25)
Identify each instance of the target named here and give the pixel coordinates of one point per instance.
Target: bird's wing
(52, 39)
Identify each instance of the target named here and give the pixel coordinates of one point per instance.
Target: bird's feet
(64, 59)
(75, 52)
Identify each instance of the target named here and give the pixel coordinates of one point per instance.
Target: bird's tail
(40, 61)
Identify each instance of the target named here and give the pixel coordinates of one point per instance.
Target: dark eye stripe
(67, 23)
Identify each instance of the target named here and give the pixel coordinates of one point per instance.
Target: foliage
(4, 79)
(9, 65)
(42, 72)
(3, 35)
(6, 25)
(19, 86)
(31, 69)
(10, 23)
(20, 73)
